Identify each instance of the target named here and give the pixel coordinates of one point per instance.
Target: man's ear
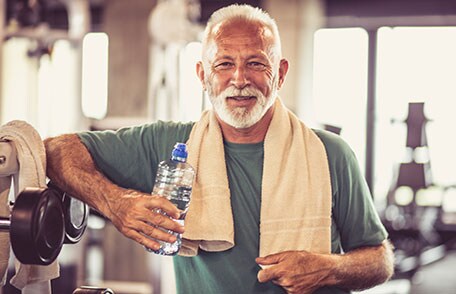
(200, 73)
(283, 69)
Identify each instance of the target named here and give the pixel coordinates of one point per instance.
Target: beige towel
(296, 189)
(32, 166)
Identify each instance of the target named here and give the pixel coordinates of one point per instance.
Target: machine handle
(8, 159)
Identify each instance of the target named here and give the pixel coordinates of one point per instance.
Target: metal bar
(370, 111)
(5, 224)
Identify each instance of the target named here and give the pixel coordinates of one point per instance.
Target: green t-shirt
(129, 157)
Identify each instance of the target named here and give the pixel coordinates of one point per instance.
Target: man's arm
(303, 272)
(71, 167)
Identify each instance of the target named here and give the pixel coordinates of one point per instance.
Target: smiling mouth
(241, 98)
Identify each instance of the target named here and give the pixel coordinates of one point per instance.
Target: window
(415, 64)
(340, 83)
(42, 89)
(191, 95)
(95, 75)
(16, 94)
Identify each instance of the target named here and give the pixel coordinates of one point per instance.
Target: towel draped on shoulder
(295, 196)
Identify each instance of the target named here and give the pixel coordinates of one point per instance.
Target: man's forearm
(70, 167)
(304, 272)
(364, 267)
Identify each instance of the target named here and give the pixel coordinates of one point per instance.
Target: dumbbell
(41, 221)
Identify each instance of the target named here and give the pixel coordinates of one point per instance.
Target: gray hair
(248, 13)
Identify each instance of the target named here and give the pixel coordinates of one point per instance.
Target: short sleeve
(353, 210)
(129, 156)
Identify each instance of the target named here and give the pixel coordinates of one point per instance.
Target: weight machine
(42, 220)
(418, 231)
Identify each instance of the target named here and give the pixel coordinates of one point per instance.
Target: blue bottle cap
(180, 151)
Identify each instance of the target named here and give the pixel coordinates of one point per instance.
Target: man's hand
(71, 167)
(304, 272)
(137, 216)
(296, 271)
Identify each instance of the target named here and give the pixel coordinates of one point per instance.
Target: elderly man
(276, 207)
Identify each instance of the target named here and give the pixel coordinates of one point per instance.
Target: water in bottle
(174, 181)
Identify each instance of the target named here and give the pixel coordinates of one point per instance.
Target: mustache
(247, 91)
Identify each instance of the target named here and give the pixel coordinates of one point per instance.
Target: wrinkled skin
(295, 271)
(305, 272)
(133, 213)
(137, 217)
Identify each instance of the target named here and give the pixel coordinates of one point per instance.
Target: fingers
(278, 277)
(145, 233)
(150, 209)
(157, 219)
(140, 217)
(156, 233)
(271, 267)
(270, 259)
(154, 214)
(155, 201)
(295, 271)
(266, 275)
(141, 239)
(268, 272)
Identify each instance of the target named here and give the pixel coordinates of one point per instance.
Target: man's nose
(240, 79)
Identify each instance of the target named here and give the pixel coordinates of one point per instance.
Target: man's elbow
(59, 152)
(388, 262)
(382, 268)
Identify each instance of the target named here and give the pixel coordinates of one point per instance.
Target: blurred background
(381, 73)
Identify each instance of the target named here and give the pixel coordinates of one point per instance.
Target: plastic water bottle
(174, 181)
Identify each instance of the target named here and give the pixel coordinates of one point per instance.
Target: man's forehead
(237, 34)
(240, 27)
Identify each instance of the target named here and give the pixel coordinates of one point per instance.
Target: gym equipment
(92, 290)
(36, 226)
(76, 214)
(412, 226)
(41, 221)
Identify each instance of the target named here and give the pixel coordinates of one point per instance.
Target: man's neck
(253, 134)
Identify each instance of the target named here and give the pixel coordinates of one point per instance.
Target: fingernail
(181, 214)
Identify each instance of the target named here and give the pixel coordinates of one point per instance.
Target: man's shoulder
(158, 128)
(335, 146)
(163, 133)
(165, 130)
(170, 126)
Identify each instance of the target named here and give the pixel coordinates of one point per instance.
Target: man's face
(240, 74)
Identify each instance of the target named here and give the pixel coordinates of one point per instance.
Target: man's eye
(256, 65)
(224, 65)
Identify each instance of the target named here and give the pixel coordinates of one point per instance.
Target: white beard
(241, 117)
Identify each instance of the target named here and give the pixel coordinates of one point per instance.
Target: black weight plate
(37, 226)
(76, 215)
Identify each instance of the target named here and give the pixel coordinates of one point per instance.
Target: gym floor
(438, 277)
